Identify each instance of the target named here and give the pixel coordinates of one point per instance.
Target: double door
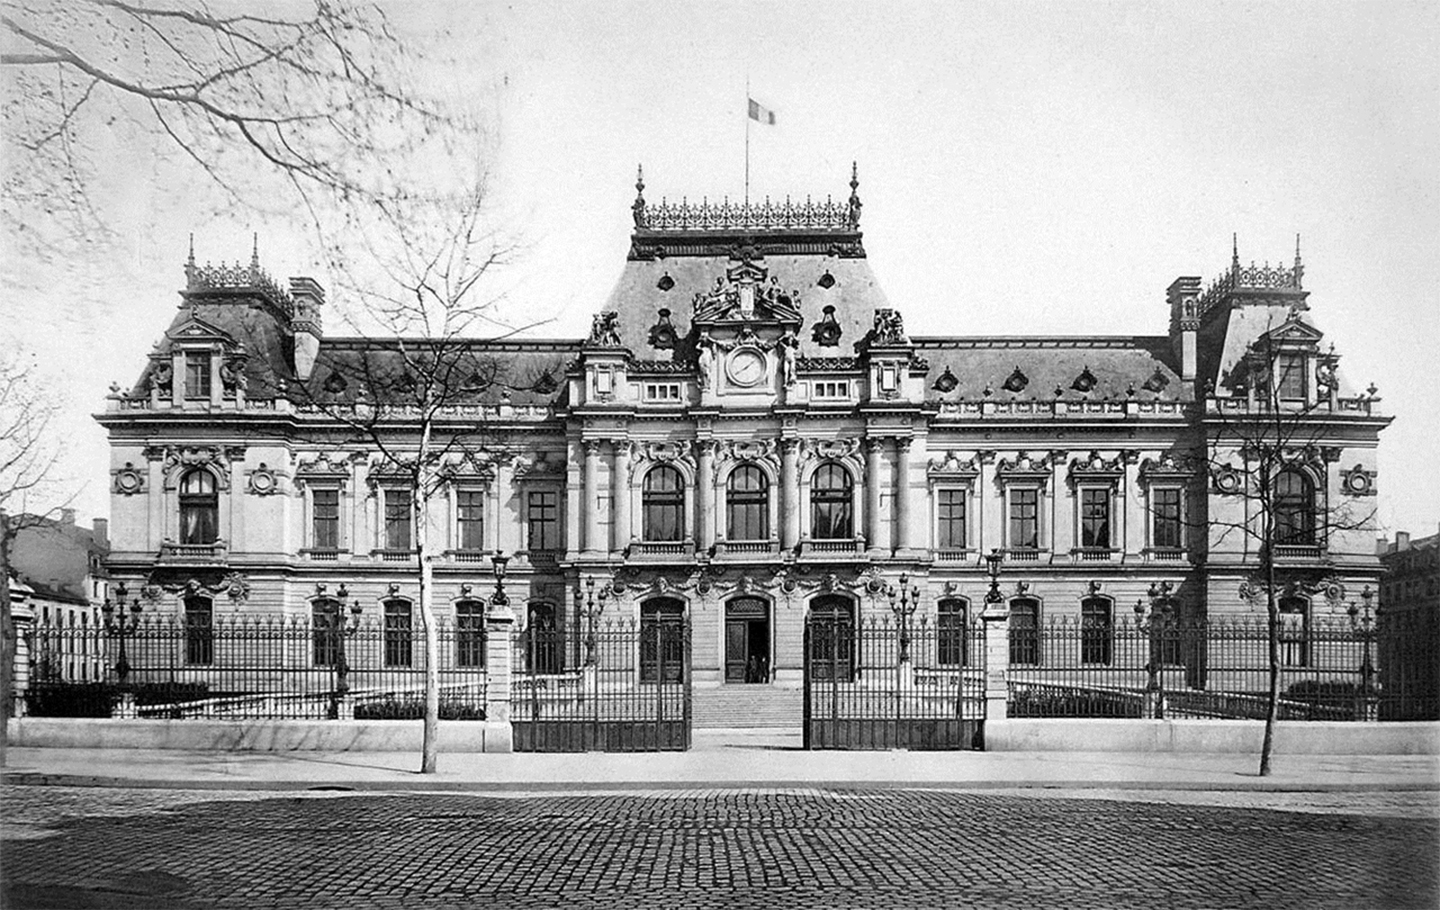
(747, 641)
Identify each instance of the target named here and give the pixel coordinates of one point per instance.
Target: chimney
(101, 531)
(309, 299)
(67, 516)
(1382, 546)
(1183, 296)
(1402, 540)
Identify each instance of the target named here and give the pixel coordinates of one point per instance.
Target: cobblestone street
(71, 847)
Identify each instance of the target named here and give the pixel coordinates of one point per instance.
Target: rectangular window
(197, 375)
(470, 506)
(1024, 631)
(832, 389)
(1096, 633)
(662, 391)
(1095, 518)
(950, 517)
(1024, 519)
(397, 519)
(1291, 370)
(543, 517)
(470, 634)
(326, 519)
(1165, 504)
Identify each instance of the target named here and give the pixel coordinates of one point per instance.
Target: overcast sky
(1025, 168)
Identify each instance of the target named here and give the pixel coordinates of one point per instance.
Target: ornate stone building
(750, 431)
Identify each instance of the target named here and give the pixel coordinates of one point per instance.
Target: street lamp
(1363, 624)
(992, 567)
(1159, 609)
(586, 600)
(340, 629)
(903, 610)
(121, 626)
(498, 561)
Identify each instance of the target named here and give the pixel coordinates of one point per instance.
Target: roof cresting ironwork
(766, 215)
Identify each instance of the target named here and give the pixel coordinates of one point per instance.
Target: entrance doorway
(747, 640)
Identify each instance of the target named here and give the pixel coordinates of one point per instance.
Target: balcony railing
(847, 545)
(468, 556)
(392, 555)
(1094, 554)
(322, 554)
(746, 547)
(1022, 554)
(662, 549)
(1297, 552)
(193, 552)
(954, 556)
(1165, 554)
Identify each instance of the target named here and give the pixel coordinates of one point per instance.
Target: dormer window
(197, 374)
(1290, 377)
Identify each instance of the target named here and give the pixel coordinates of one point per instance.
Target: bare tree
(1266, 451)
(27, 459)
(318, 107)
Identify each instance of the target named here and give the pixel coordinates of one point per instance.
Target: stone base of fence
(256, 735)
(1207, 736)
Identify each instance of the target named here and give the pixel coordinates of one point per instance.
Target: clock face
(746, 368)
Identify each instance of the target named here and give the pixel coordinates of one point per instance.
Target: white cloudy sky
(1025, 168)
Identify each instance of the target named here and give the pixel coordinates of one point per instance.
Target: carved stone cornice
(1093, 466)
(952, 467)
(1023, 466)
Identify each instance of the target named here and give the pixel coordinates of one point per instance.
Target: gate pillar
(996, 617)
(499, 627)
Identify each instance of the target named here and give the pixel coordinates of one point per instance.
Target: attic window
(335, 383)
(475, 382)
(197, 374)
(1084, 382)
(1157, 381)
(666, 282)
(1016, 382)
(827, 281)
(826, 332)
(545, 384)
(947, 382)
(662, 333)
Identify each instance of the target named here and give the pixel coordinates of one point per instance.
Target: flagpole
(747, 138)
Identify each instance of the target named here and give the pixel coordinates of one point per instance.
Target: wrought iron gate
(893, 684)
(616, 687)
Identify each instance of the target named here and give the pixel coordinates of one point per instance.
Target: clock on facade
(746, 368)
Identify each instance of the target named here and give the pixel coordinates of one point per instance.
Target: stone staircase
(733, 707)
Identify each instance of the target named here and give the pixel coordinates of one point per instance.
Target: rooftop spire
(1299, 268)
(1235, 251)
(638, 207)
(854, 205)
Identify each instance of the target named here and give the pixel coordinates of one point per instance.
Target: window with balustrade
(1095, 518)
(199, 507)
(1294, 499)
(1024, 518)
(950, 518)
(832, 503)
(470, 519)
(398, 520)
(747, 504)
(325, 518)
(662, 502)
(1165, 518)
(542, 520)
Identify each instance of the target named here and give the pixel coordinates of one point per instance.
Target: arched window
(1097, 631)
(325, 626)
(663, 501)
(831, 495)
(950, 629)
(747, 504)
(470, 633)
(199, 507)
(1294, 508)
(398, 635)
(199, 632)
(662, 640)
(1024, 631)
(1294, 632)
(831, 626)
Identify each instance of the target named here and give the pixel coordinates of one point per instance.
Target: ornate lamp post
(904, 608)
(121, 626)
(498, 562)
(341, 629)
(1362, 622)
(1146, 617)
(992, 567)
(592, 604)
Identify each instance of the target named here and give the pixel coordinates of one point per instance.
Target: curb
(42, 779)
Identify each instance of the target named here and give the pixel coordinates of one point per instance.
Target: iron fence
(616, 686)
(901, 683)
(255, 668)
(1330, 669)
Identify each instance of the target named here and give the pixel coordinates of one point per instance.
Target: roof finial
(255, 252)
(854, 194)
(191, 260)
(638, 207)
(1299, 268)
(1235, 251)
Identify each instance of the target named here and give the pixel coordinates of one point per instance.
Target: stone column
(789, 493)
(902, 495)
(590, 497)
(499, 628)
(705, 491)
(620, 496)
(874, 525)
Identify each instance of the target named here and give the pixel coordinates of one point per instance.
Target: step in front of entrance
(738, 707)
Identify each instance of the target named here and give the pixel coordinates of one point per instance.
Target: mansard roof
(1024, 367)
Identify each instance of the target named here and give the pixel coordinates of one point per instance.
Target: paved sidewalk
(719, 759)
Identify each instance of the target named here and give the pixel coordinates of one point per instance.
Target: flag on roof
(761, 114)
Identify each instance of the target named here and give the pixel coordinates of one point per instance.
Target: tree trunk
(424, 476)
(7, 646)
(1272, 703)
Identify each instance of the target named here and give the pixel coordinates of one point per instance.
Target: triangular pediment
(196, 329)
(747, 293)
(1294, 333)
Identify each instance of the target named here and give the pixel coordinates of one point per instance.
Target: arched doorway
(747, 640)
(662, 640)
(832, 638)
